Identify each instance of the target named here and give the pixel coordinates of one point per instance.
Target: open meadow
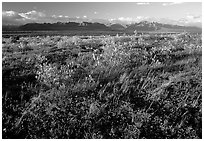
(102, 87)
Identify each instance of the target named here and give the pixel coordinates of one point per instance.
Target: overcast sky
(124, 11)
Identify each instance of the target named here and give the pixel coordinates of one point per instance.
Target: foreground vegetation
(146, 86)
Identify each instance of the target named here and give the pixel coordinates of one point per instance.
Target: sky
(127, 12)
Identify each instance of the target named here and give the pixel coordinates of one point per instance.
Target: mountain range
(143, 26)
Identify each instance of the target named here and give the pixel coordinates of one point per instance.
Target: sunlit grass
(146, 86)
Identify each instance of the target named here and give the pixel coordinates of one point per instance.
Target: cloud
(193, 18)
(125, 19)
(171, 3)
(140, 18)
(11, 14)
(15, 18)
(129, 20)
(120, 20)
(188, 20)
(55, 18)
(12, 17)
(143, 3)
(32, 15)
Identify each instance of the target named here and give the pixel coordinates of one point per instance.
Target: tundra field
(91, 87)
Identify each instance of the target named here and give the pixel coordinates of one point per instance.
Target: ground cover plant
(90, 87)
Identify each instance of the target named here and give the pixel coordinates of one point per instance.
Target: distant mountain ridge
(155, 26)
(143, 26)
(64, 26)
